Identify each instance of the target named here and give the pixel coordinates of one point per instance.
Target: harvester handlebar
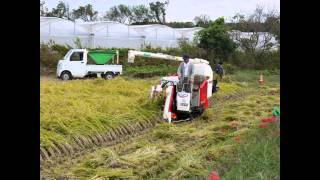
(164, 84)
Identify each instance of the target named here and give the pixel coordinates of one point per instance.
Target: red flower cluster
(265, 121)
(270, 119)
(214, 176)
(237, 138)
(263, 126)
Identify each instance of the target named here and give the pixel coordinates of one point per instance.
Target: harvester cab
(183, 101)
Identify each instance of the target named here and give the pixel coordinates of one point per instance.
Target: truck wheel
(66, 76)
(108, 75)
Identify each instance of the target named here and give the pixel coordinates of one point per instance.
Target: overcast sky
(181, 10)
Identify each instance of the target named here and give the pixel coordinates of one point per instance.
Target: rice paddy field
(79, 119)
(75, 110)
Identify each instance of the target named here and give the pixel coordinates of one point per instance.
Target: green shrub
(48, 59)
(258, 60)
(229, 68)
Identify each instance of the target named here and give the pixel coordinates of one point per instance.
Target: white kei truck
(75, 64)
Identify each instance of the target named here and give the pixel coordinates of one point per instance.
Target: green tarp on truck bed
(101, 57)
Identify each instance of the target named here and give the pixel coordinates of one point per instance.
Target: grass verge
(257, 157)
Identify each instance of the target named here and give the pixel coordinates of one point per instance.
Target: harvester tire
(65, 75)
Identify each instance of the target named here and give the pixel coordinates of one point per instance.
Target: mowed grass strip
(86, 107)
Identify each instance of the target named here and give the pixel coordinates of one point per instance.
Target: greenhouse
(110, 34)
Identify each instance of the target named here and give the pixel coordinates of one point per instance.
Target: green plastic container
(276, 111)
(101, 57)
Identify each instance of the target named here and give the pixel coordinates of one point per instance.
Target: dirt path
(155, 152)
(48, 78)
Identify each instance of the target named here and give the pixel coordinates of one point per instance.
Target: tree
(85, 13)
(113, 14)
(216, 40)
(257, 19)
(159, 11)
(272, 23)
(91, 14)
(261, 26)
(43, 9)
(239, 22)
(79, 13)
(141, 14)
(202, 21)
(61, 11)
(120, 13)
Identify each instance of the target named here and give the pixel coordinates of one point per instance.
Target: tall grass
(86, 107)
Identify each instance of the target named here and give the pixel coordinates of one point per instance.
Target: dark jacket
(218, 69)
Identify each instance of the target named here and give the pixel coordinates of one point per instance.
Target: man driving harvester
(186, 73)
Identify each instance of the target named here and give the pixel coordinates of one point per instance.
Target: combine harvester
(181, 103)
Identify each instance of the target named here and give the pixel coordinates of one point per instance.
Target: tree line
(155, 13)
(140, 14)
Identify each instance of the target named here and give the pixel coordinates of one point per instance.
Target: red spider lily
(237, 138)
(214, 176)
(270, 119)
(263, 126)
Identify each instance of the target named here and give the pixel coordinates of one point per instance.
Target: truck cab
(75, 65)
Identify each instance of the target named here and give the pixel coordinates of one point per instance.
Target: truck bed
(104, 68)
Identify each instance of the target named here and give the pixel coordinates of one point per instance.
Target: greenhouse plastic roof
(114, 34)
(115, 29)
